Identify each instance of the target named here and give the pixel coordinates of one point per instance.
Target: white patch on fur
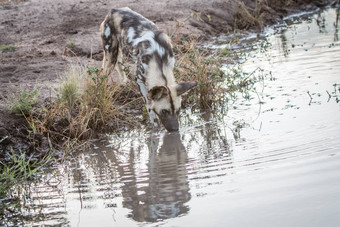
(177, 100)
(147, 36)
(161, 104)
(107, 47)
(107, 31)
(153, 74)
(130, 34)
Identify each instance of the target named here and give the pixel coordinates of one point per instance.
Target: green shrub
(7, 48)
(23, 102)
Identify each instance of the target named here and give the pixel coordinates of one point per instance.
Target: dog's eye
(165, 112)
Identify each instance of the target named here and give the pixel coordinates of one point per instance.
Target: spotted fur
(128, 35)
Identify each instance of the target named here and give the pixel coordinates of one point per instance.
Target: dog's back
(137, 37)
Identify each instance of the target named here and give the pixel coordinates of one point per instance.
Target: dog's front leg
(142, 88)
(119, 67)
(152, 117)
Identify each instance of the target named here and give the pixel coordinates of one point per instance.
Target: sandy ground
(42, 31)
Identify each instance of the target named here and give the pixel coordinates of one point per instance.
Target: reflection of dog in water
(168, 188)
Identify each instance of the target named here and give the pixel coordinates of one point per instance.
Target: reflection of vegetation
(321, 23)
(14, 174)
(284, 43)
(331, 94)
(240, 82)
(336, 92)
(238, 125)
(336, 25)
(18, 169)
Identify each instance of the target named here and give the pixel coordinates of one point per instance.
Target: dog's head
(166, 103)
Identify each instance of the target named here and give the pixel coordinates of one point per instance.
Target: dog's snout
(170, 123)
(173, 128)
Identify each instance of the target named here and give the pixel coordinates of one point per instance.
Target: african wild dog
(127, 34)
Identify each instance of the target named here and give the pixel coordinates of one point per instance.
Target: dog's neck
(159, 72)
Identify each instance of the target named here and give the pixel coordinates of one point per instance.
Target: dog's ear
(157, 92)
(183, 87)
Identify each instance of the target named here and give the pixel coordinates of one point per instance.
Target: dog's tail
(110, 45)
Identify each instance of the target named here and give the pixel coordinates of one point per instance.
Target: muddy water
(270, 157)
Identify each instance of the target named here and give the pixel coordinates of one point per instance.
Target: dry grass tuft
(87, 102)
(250, 17)
(194, 64)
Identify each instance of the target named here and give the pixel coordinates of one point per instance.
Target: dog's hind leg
(110, 45)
